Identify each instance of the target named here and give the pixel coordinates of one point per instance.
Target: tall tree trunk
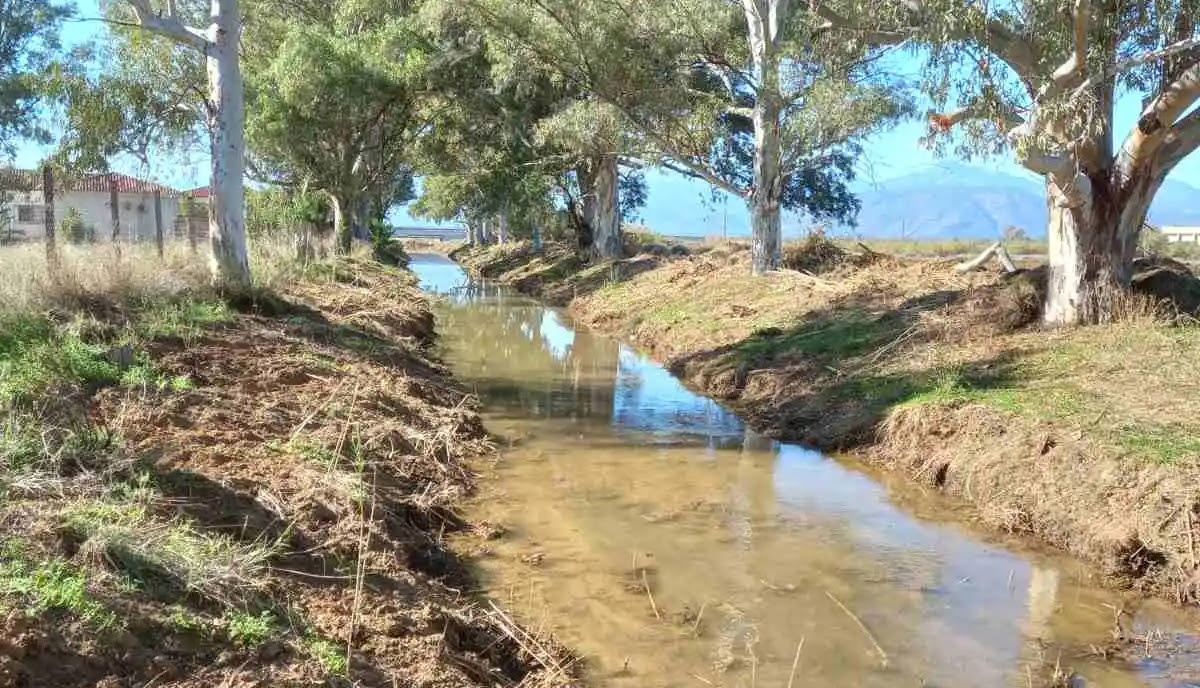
(502, 228)
(360, 225)
(607, 211)
(343, 239)
(227, 201)
(586, 220)
(765, 20)
(48, 219)
(1089, 269)
(158, 223)
(114, 212)
(537, 238)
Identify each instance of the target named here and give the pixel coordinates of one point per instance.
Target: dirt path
(281, 513)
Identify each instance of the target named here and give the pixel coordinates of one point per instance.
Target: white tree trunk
(1090, 253)
(765, 20)
(607, 226)
(341, 226)
(227, 202)
(502, 224)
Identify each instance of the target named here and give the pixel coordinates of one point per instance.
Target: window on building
(29, 214)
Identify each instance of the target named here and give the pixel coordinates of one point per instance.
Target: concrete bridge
(434, 233)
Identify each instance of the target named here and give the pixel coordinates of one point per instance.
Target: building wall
(136, 214)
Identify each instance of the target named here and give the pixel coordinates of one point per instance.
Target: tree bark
(606, 225)
(114, 211)
(537, 238)
(227, 200)
(360, 227)
(502, 225)
(586, 221)
(48, 218)
(1087, 270)
(765, 20)
(158, 223)
(1091, 250)
(341, 224)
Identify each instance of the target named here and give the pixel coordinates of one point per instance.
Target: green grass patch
(330, 655)
(1163, 444)
(47, 586)
(851, 334)
(250, 630)
(185, 319)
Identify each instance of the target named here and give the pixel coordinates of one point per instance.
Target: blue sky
(672, 198)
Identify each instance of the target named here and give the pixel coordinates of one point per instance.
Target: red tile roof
(199, 192)
(15, 179)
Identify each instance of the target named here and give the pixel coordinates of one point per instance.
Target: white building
(90, 196)
(1181, 235)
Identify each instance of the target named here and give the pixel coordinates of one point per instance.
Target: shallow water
(618, 479)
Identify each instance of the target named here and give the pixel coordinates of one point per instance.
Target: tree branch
(168, 25)
(1157, 122)
(945, 121)
(1181, 141)
(1135, 62)
(1072, 69)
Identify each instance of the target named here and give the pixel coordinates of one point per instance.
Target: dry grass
(92, 275)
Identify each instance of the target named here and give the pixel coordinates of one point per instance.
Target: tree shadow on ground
(830, 379)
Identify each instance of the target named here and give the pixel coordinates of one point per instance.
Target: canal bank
(646, 527)
(1083, 438)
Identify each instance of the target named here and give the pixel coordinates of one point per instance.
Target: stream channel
(650, 531)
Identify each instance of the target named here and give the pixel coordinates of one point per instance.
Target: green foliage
(250, 630)
(34, 357)
(186, 319)
(330, 655)
(72, 227)
(28, 44)
(51, 585)
(333, 98)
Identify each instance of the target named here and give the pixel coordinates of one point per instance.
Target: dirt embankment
(1084, 439)
(270, 512)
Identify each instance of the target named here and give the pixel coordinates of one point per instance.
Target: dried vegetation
(235, 490)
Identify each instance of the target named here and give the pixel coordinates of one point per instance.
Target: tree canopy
(29, 43)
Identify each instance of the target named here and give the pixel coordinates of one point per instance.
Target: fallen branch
(996, 251)
(866, 631)
(646, 582)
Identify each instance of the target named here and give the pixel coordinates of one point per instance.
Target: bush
(72, 228)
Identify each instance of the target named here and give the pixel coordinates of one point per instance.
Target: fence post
(115, 211)
(48, 218)
(158, 226)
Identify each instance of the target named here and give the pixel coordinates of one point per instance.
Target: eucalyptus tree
(751, 97)
(1045, 78)
(483, 161)
(28, 45)
(217, 43)
(337, 93)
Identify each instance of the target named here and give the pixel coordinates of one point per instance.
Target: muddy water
(648, 529)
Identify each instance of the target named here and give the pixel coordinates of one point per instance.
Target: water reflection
(618, 469)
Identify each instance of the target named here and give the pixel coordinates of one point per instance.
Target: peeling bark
(227, 202)
(607, 210)
(341, 224)
(765, 19)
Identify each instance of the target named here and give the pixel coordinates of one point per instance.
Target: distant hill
(950, 200)
(958, 201)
